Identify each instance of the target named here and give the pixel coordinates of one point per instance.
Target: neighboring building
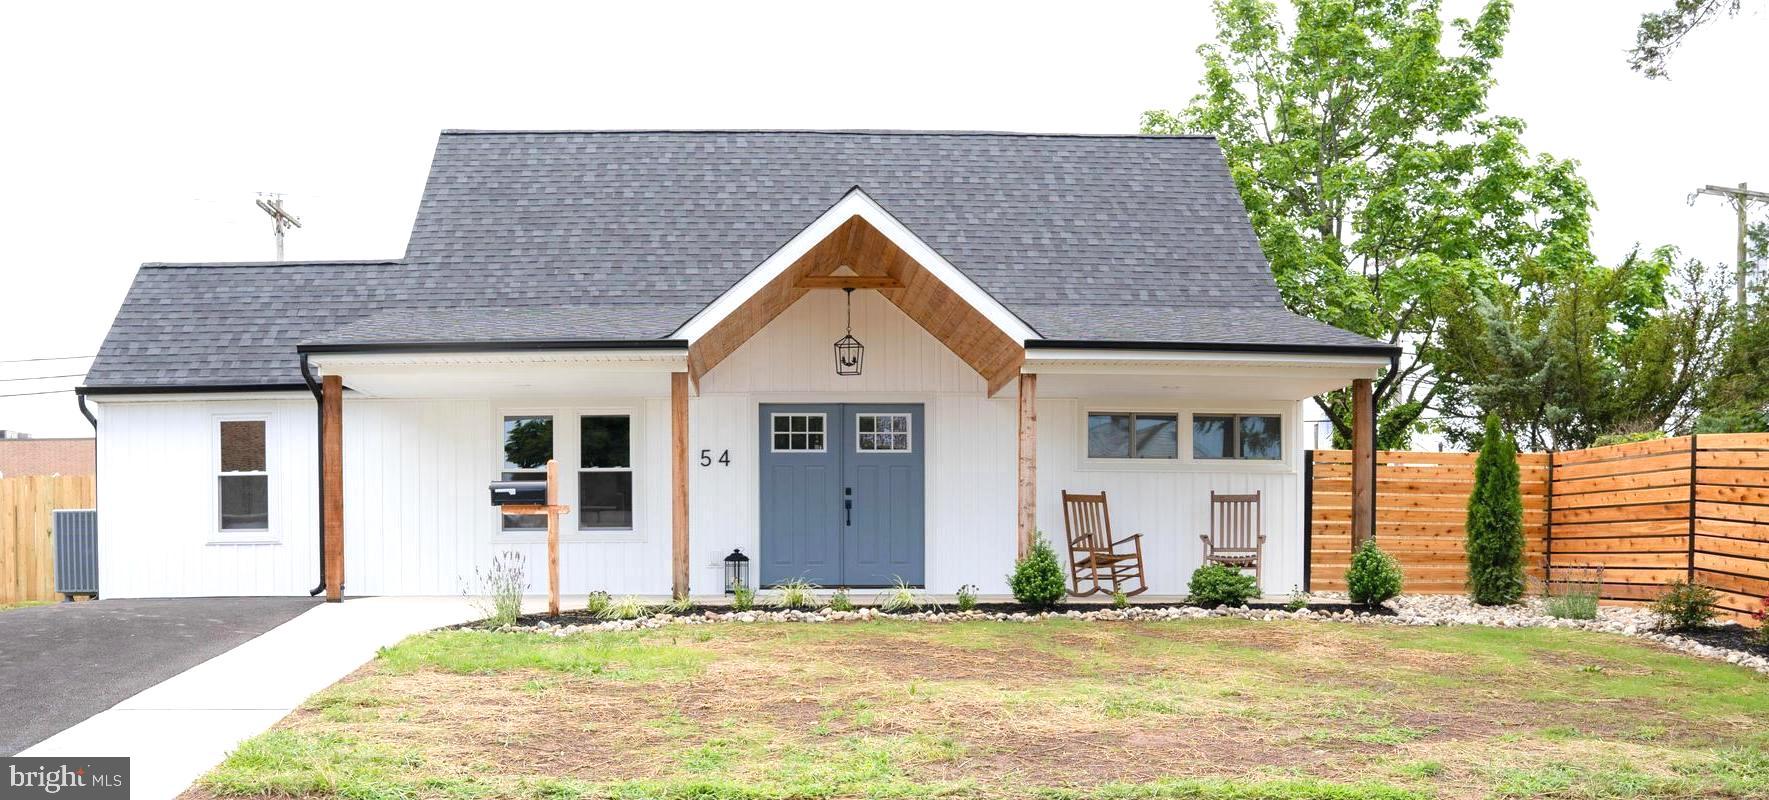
(656, 311)
(21, 455)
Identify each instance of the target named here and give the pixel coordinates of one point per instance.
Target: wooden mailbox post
(552, 509)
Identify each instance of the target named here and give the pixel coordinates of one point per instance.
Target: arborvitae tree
(1495, 522)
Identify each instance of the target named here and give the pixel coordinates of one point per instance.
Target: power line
(46, 358)
(33, 394)
(43, 377)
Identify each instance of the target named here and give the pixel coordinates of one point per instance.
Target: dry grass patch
(1206, 708)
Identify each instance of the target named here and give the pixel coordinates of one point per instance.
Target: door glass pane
(1108, 435)
(1212, 436)
(1157, 436)
(887, 433)
(604, 500)
(1261, 437)
(242, 445)
(798, 432)
(245, 502)
(606, 442)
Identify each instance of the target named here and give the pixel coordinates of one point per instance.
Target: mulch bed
(1731, 637)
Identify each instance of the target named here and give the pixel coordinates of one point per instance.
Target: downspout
(87, 412)
(320, 453)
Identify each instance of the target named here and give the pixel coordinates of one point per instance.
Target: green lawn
(24, 604)
(1190, 709)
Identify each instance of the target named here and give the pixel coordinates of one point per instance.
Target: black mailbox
(518, 493)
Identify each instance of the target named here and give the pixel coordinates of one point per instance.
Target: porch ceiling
(1202, 375)
(538, 374)
(867, 252)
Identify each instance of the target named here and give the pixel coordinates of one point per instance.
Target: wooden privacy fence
(1421, 505)
(27, 551)
(1686, 508)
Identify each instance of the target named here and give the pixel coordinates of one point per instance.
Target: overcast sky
(134, 133)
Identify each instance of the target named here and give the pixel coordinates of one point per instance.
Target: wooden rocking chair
(1237, 533)
(1093, 555)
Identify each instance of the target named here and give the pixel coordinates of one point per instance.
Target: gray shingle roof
(625, 234)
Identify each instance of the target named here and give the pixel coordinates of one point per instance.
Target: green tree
(1594, 351)
(1662, 32)
(1494, 530)
(1385, 194)
(1737, 399)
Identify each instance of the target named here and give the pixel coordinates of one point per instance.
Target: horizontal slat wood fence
(1421, 504)
(27, 523)
(1685, 508)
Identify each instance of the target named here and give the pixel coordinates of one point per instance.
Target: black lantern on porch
(848, 350)
(736, 571)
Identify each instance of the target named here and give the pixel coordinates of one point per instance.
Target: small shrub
(1573, 593)
(1374, 576)
(899, 599)
(1762, 618)
(500, 589)
(1298, 600)
(628, 607)
(597, 603)
(1495, 522)
(1685, 606)
(1120, 599)
(1037, 579)
(967, 598)
(796, 594)
(840, 601)
(680, 605)
(743, 598)
(1215, 585)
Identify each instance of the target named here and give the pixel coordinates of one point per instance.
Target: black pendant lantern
(848, 350)
(736, 571)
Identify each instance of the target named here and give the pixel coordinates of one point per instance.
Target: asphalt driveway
(60, 664)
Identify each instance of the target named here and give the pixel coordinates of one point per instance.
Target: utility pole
(280, 220)
(1741, 199)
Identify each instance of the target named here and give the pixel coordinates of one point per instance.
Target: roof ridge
(313, 263)
(818, 132)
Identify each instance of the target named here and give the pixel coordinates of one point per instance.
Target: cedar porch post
(1028, 516)
(332, 474)
(679, 484)
(1363, 463)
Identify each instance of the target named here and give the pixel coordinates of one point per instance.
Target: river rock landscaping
(1727, 642)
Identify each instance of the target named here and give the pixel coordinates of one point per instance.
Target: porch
(998, 421)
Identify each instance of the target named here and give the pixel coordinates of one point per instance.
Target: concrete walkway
(175, 731)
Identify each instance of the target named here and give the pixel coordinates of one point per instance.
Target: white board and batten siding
(156, 500)
(418, 519)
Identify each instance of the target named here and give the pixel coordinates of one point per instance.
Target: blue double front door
(842, 493)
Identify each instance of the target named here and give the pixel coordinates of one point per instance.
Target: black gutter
(191, 388)
(1390, 351)
(319, 428)
(496, 346)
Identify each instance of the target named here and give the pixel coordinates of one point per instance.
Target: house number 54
(706, 458)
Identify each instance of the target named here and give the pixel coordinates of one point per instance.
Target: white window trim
(567, 422)
(908, 421)
(1285, 412)
(268, 534)
(774, 415)
(632, 468)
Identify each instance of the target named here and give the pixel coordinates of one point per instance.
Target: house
(24, 455)
(656, 310)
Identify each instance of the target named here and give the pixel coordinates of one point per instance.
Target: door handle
(848, 506)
